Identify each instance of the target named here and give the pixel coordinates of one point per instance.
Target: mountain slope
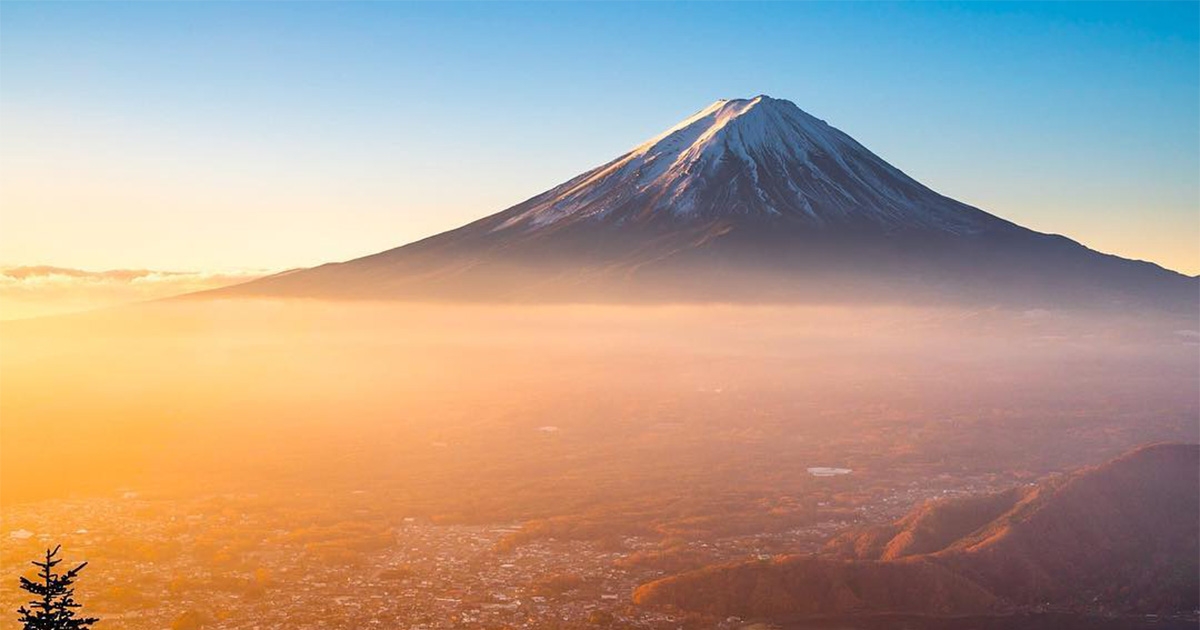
(1124, 534)
(1121, 537)
(744, 200)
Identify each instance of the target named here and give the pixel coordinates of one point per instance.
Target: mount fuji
(747, 200)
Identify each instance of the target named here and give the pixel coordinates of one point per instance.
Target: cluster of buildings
(153, 565)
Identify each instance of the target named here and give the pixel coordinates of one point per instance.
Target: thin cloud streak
(39, 290)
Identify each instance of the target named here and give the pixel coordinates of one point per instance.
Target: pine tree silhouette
(54, 608)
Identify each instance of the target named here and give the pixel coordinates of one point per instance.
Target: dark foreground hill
(1123, 538)
(748, 200)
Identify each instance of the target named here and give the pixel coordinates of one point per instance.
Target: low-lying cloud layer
(32, 291)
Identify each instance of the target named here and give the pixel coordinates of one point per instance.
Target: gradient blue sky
(215, 135)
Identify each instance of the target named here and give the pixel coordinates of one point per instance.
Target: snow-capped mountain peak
(746, 199)
(759, 159)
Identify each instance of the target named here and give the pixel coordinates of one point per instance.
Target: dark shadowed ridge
(1123, 537)
(748, 200)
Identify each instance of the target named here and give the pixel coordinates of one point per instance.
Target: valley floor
(348, 466)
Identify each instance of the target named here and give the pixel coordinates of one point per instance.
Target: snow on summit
(759, 158)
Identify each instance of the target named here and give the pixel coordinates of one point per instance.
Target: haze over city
(741, 316)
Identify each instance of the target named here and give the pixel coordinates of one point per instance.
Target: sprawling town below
(229, 561)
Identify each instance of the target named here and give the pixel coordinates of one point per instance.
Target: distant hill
(929, 528)
(746, 200)
(1123, 537)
